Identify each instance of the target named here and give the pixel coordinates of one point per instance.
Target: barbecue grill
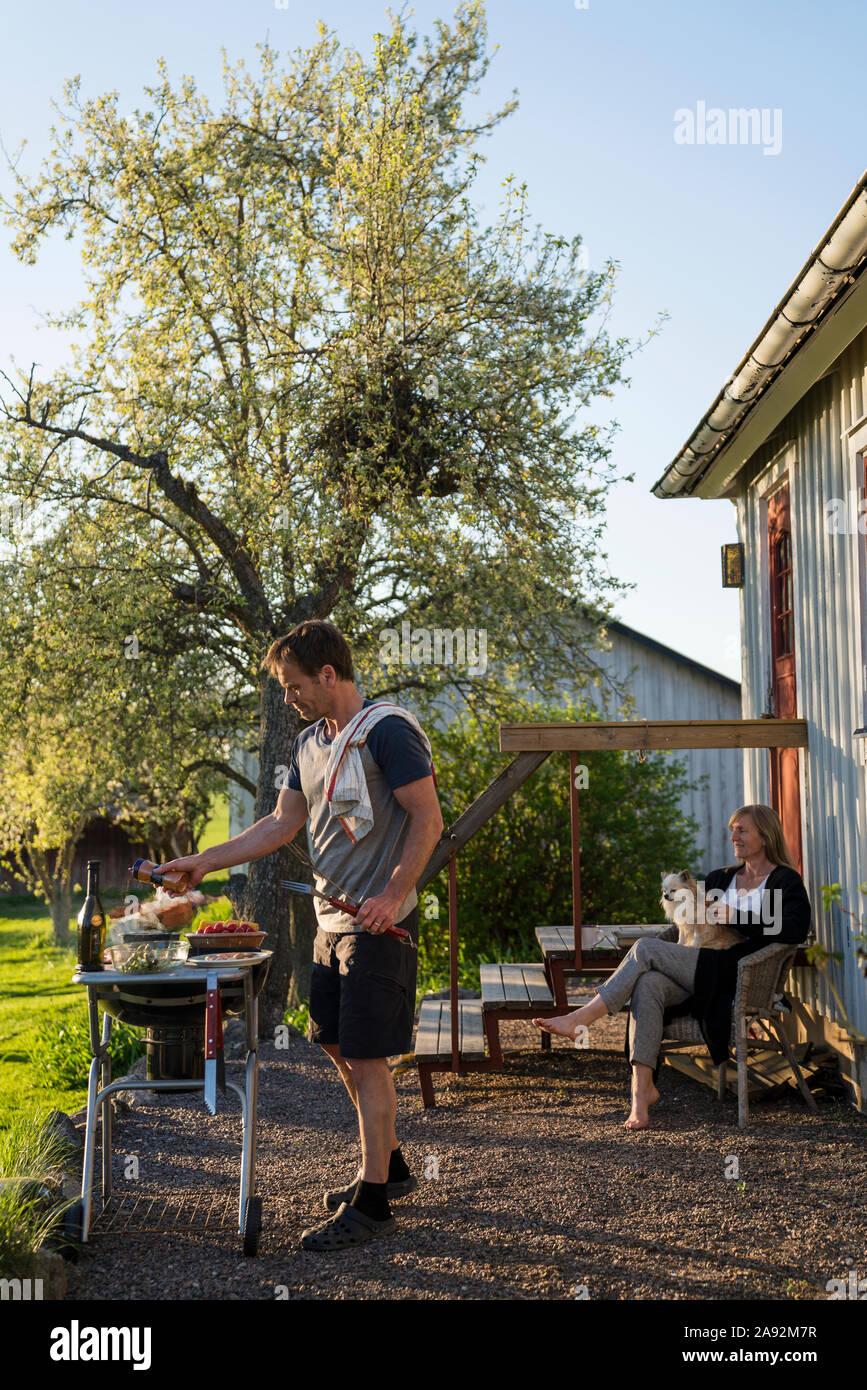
(182, 1010)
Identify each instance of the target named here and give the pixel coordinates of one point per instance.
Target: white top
(745, 899)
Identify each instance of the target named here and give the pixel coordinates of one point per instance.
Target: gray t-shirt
(392, 756)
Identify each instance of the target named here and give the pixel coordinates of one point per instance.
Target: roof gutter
(834, 264)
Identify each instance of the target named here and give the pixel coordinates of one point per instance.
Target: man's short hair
(312, 645)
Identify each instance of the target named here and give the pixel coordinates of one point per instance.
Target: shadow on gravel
(530, 1188)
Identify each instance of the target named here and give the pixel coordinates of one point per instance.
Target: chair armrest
(761, 975)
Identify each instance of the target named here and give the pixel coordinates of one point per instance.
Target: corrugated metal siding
(830, 678)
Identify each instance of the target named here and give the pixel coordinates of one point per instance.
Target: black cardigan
(716, 974)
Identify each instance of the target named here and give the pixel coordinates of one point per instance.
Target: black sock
(397, 1169)
(372, 1199)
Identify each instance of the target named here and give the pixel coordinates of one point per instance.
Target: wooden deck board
(428, 1034)
(537, 985)
(768, 1072)
(492, 984)
(434, 1035)
(514, 986)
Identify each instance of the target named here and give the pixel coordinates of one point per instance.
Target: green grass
(217, 829)
(37, 994)
(37, 988)
(37, 991)
(215, 832)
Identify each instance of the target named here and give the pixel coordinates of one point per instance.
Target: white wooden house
(786, 441)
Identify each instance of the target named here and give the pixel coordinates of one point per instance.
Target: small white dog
(679, 895)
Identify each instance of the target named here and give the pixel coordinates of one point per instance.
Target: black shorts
(362, 991)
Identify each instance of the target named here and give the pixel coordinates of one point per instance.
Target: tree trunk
(60, 903)
(288, 918)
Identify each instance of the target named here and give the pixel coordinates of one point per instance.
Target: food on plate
(224, 929)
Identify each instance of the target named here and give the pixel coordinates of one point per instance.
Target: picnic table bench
(433, 1043)
(525, 989)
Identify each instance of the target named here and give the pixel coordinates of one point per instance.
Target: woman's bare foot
(644, 1094)
(567, 1025)
(638, 1116)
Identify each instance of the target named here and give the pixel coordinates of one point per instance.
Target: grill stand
(100, 1088)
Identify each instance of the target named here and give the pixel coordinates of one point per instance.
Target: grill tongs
(215, 1062)
(343, 903)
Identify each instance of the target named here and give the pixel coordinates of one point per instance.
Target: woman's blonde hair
(770, 827)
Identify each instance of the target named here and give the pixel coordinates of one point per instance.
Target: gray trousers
(653, 974)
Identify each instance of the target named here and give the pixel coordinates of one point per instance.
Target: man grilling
(362, 775)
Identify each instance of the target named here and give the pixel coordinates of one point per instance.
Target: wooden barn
(665, 684)
(102, 840)
(786, 441)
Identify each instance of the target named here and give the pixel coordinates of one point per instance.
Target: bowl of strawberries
(225, 936)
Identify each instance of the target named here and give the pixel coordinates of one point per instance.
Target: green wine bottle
(91, 923)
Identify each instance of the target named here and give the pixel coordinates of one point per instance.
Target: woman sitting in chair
(762, 897)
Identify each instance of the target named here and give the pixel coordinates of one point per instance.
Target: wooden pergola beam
(654, 734)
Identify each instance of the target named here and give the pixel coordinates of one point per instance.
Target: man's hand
(377, 914)
(263, 838)
(193, 865)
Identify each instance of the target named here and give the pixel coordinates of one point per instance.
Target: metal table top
(183, 972)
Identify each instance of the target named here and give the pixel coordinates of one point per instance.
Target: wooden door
(785, 774)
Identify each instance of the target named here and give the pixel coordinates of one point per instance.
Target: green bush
(515, 874)
(220, 911)
(29, 1149)
(299, 1017)
(61, 1049)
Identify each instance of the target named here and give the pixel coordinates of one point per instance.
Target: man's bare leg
(567, 1025)
(339, 1061)
(377, 1110)
(644, 1094)
(348, 1080)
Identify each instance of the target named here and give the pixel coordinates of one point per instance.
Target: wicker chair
(758, 999)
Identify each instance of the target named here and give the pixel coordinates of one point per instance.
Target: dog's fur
(679, 894)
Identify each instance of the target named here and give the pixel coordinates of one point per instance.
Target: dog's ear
(684, 876)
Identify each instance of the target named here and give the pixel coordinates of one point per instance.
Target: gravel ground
(540, 1192)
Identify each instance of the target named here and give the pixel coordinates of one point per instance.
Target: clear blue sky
(712, 234)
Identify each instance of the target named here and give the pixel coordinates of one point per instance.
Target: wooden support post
(453, 959)
(576, 857)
